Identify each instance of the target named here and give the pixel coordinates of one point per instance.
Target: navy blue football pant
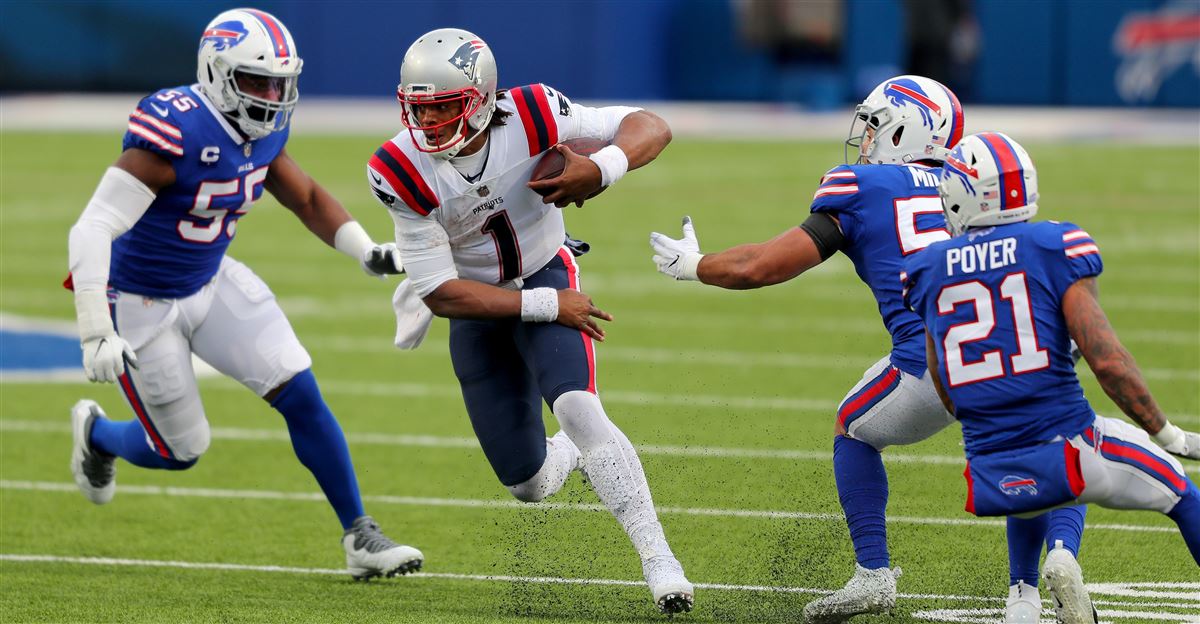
(507, 367)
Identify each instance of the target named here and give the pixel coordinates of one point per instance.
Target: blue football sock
(863, 491)
(1066, 526)
(1186, 514)
(318, 441)
(127, 440)
(1025, 536)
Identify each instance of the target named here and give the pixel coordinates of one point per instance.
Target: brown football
(552, 163)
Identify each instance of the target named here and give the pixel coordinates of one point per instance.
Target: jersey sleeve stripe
(162, 126)
(1075, 235)
(1082, 250)
(541, 131)
(393, 165)
(154, 138)
(836, 189)
(839, 176)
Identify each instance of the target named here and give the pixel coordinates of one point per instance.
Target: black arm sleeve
(825, 233)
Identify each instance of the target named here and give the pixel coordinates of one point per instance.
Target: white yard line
(468, 503)
(432, 441)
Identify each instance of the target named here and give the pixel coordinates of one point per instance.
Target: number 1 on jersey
(507, 249)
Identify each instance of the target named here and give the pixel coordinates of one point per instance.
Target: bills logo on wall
(1153, 45)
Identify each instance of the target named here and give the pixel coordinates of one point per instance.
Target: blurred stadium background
(729, 395)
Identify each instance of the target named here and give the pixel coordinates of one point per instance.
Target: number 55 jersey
(886, 212)
(992, 303)
(176, 246)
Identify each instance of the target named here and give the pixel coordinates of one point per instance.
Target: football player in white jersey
(485, 249)
(153, 284)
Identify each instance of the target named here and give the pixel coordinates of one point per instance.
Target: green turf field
(730, 395)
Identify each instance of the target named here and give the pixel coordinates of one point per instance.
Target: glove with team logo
(381, 260)
(104, 357)
(1176, 441)
(677, 258)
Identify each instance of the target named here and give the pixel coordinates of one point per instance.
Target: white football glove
(382, 260)
(104, 358)
(1176, 441)
(677, 258)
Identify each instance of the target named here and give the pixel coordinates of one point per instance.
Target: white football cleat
(95, 472)
(869, 591)
(672, 592)
(370, 553)
(1064, 580)
(1024, 605)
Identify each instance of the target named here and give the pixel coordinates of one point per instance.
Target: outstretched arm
(742, 267)
(325, 217)
(1116, 369)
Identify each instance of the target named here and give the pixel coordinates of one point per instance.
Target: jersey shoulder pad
(837, 189)
(393, 173)
(1079, 248)
(538, 108)
(156, 123)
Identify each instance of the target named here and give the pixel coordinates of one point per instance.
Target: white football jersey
(495, 229)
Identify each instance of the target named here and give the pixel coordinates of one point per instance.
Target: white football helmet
(252, 44)
(443, 65)
(987, 179)
(910, 117)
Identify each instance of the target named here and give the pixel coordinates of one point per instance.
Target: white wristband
(93, 315)
(613, 164)
(689, 263)
(352, 240)
(1168, 435)
(539, 305)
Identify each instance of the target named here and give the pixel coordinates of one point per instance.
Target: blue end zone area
(38, 351)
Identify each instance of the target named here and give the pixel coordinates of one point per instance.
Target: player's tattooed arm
(1112, 363)
(320, 212)
(931, 362)
(756, 265)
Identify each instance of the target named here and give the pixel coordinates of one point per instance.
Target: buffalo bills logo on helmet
(954, 166)
(224, 35)
(1013, 485)
(465, 56)
(904, 91)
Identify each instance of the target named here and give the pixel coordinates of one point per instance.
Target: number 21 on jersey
(1028, 358)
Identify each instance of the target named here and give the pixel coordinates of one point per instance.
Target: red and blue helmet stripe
(279, 38)
(955, 133)
(1012, 172)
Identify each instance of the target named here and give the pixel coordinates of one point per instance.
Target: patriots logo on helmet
(224, 35)
(956, 167)
(1013, 485)
(904, 92)
(465, 56)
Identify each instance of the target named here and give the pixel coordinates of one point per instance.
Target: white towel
(413, 318)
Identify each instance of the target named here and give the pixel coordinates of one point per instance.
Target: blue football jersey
(177, 245)
(992, 300)
(886, 212)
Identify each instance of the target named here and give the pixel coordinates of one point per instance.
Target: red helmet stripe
(1012, 174)
(275, 30)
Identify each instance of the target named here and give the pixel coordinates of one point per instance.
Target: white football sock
(613, 467)
(561, 458)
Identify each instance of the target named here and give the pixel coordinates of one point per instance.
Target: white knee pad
(581, 415)
(190, 444)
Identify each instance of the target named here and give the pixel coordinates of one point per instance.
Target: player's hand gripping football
(576, 310)
(104, 357)
(1176, 441)
(382, 260)
(579, 181)
(677, 258)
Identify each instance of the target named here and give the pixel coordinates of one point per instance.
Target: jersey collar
(230, 130)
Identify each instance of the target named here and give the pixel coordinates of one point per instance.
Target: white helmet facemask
(988, 179)
(451, 71)
(904, 119)
(248, 68)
